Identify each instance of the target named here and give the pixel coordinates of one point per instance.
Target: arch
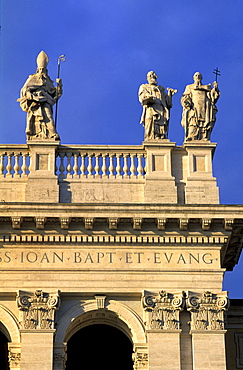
(115, 314)
(9, 322)
(99, 346)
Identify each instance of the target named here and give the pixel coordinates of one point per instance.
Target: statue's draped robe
(37, 97)
(156, 114)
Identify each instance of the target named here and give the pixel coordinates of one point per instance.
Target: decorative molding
(40, 222)
(206, 223)
(207, 310)
(89, 223)
(113, 223)
(161, 223)
(38, 309)
(228, 223)
(16, 222)
(65, 221)
(137, 223)
(162, 310)
(100, 300)
(183, 222)
(135, 239)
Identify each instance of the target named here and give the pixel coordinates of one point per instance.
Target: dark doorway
(3, 352)
(99, 347)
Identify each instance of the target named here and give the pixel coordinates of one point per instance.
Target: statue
(156, 108)
(37, 97)
(199, 109)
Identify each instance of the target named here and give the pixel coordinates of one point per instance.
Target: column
(159, 184)
(161, 316)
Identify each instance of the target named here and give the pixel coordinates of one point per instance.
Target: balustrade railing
(107, 162)
(14, 161)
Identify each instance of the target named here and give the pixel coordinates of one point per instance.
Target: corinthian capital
(37, 309)
(161, 311)
(207, 310)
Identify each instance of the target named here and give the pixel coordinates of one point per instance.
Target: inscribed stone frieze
(109, 258)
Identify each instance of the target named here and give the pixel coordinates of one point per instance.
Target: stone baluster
(133, 166)
(2, 164)
(125, 167)
(75, 166)
(69, 165)
(61, 168)
(9, 166)
(97, 166)
(118, 166)
(140, 165)
(83, 167)
(111, 166)
(104, 166)
(90, 165)
(16, 165)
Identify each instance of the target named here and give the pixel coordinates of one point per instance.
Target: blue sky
(110, 46)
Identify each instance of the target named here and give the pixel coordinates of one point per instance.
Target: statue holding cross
(199, 108)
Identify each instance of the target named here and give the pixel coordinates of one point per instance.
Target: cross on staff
(217, 73)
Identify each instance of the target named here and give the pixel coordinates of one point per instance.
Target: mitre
(42, 60)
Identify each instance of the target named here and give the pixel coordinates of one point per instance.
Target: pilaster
(160, 184)
(37, 312)
(161, 316)
(207, 330)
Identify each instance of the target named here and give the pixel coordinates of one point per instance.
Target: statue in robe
(199, 109)
(37, 97)
(156, 108)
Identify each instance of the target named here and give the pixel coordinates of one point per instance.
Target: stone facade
(131, 237)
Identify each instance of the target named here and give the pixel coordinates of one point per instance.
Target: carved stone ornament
(38, 309)
(140, 360)
(162, 310)
(59, 358)
(207, 310)
(89, 223)
(14, 359)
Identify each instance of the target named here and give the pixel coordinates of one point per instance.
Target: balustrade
(107, 163)
(14, 162)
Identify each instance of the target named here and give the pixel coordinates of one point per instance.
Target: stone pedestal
(160, 184)
(208, 350)
(201, 186)
(42, 185)
(164, 349)
(37, 349)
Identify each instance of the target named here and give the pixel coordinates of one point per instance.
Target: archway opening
(99, 346)
(4, 365)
